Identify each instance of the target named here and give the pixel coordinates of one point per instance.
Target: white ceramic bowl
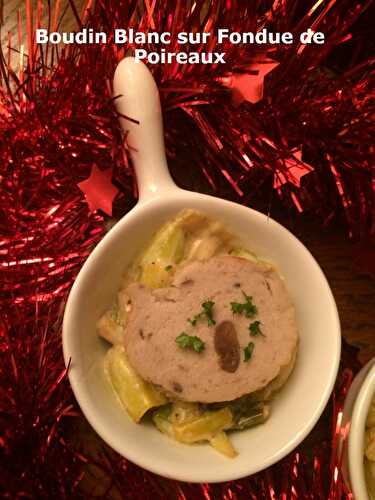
(361, 392)
(301, 402)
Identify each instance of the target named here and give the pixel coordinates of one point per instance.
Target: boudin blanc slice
(236, 359)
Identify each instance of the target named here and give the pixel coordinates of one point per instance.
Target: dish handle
(137, 97)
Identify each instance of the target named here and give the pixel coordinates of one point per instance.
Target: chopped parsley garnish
(248, 351)
(206, 314)
(208, 311)
(247, 307)
(186, 341)
(254, 329)
(168, 268)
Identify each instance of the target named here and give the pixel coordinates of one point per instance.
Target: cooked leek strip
(186, 423)
(165, 250)
(167, 246)
(210, 238)
(204, 248)
(249, 410)
(109, 328)
(189, 236)
(204, 427)
(156, 275)
(183, 412)
(191, 220)
(160, 418)
(222, 444)
(134, 393)
(245, 254)
(255, 416)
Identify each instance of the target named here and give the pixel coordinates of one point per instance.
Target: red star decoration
(296, 169)
(249, 87)
(99, 190)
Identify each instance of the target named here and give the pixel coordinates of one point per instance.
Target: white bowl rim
(99, 426)
(357, 434)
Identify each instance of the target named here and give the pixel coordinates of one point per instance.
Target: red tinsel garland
(57, 120)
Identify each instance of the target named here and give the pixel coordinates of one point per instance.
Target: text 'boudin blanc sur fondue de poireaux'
(142, 42)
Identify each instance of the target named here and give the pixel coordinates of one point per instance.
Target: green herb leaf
(168, 268)
(255, 330)
(237, 308)
(183, 340)
(198, 344)
(248, 351)
(206, 314)
(247, 307)
(208, 311)
(186, 341)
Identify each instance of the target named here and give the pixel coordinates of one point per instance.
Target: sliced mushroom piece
(227, 346)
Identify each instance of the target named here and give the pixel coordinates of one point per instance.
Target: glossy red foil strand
(57, 121)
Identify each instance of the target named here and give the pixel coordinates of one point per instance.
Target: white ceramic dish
(361, 392)
(301, 402)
